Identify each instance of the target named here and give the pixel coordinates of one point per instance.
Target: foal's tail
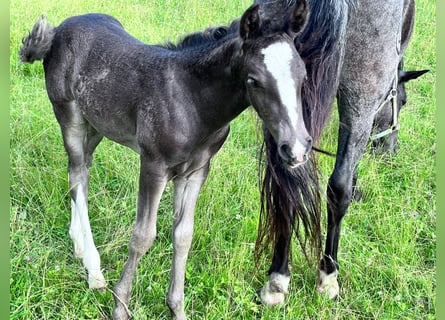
(38, 42)
(290, 201)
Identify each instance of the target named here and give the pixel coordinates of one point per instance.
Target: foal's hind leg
(80, 140)
(93, 138)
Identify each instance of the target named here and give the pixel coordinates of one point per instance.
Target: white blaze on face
(278, 59)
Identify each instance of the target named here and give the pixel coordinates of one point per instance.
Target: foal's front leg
(186, 195)
(151, 186)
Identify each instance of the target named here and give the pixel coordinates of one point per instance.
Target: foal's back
(105, 72)
(85, 46)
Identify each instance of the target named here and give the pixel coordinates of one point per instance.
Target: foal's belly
(113, 124)
(117, 129)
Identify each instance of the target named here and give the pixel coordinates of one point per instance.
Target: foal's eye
(252, 82)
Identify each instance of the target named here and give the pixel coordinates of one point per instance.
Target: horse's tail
(290, 203)
(38, 42)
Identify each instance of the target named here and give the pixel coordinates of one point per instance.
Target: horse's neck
(213, 74)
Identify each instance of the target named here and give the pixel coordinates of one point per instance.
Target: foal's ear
(250, 25)
(405, 76)
(298, 17)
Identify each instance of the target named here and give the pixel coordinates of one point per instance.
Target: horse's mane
(320, 45)
(206, 37)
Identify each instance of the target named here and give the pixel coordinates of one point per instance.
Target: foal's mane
(205, 38)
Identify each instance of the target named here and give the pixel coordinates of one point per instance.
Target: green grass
(388, 245)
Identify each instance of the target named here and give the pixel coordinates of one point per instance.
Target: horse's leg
(93, 138)
(354, 133)
(368, 70)
(80, 140)
(352, 141)
(186, 195)
(152, 181)
(275, 289)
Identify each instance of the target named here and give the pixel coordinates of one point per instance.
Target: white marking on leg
(91, 258)
(75, 231)
(275, 289)
(328, 284)
(278, 58)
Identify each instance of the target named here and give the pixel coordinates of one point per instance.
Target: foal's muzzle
(299, 154)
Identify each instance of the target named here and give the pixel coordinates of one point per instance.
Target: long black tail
(290, 203)
(38, 42)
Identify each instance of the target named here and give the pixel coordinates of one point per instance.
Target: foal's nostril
(286, 152)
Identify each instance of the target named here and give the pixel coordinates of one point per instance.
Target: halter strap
(392, 95)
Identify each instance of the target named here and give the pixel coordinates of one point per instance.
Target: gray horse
(353, 51)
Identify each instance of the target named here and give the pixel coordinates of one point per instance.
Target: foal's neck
(213, 72)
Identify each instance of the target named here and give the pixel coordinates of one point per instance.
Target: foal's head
(273, 74)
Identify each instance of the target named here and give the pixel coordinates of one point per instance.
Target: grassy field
(388, 246)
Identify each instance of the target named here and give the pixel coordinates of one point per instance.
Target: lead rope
(395, 112)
